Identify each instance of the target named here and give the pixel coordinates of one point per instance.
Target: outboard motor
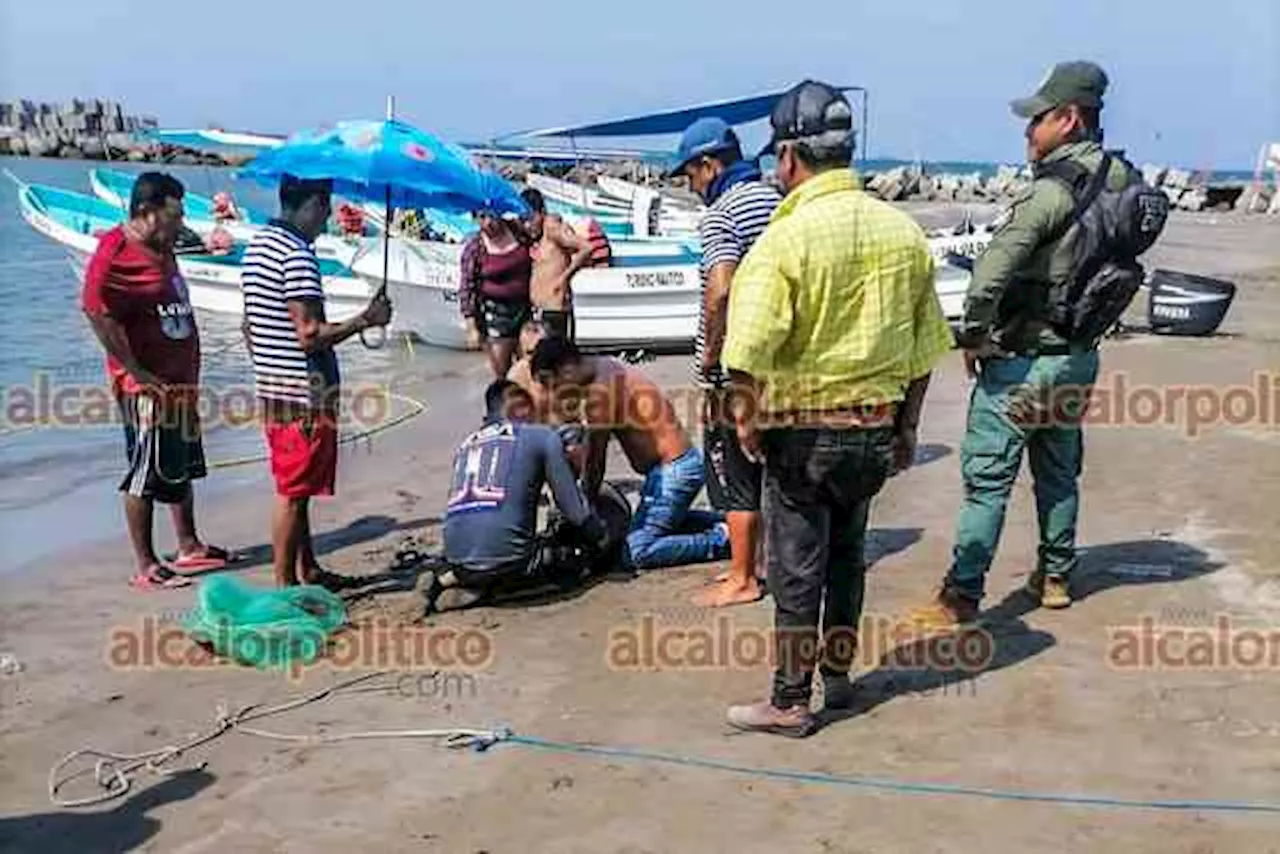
(1183, 304)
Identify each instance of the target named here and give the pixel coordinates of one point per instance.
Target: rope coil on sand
(114, 772)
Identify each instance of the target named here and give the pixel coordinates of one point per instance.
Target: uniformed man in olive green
(1030, 386)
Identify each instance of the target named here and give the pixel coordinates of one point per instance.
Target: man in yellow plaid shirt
(834, 327)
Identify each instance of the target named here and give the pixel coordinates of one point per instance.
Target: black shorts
(500, 319)
(733, 481)
(163, 449)
(558, 324)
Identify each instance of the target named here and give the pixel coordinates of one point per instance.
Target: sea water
(58, 483)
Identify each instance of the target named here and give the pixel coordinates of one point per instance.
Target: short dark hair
(552, 354)
(295, 191)
(534, 199)
(828, 157)
(495, 397)
(152, 190)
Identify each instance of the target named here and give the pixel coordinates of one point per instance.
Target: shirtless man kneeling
(558, 253)
(614, 399)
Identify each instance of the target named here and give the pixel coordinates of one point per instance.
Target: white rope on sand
(114, 772)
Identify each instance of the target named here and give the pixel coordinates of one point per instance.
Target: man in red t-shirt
(137, 303)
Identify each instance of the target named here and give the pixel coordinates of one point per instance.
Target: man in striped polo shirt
(296, 371)
(740, 205)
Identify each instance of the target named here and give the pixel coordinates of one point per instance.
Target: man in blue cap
(739, 207)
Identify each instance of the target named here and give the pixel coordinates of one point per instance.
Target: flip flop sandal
(214, 557)
(158, 577)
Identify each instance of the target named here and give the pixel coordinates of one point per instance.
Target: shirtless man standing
(558, 253)
(611, 398)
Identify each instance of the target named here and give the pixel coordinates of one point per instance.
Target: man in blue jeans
(612, 399)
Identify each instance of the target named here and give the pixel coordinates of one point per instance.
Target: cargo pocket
(989, 460)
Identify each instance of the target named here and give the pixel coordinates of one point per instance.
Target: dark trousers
(818, 486)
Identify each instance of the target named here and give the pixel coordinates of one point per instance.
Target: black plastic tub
(1183, 304)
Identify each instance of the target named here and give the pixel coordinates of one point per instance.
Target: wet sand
(1175, 527)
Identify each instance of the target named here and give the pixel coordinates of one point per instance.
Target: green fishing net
(264, 628)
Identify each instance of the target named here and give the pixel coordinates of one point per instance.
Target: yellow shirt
(834, 305)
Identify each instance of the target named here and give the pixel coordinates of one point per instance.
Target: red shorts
(304, 457)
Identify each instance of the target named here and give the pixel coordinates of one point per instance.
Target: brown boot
(795, 722)
(1051, 591)
(949, 612)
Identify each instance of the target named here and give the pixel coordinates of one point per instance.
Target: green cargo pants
(1022, 402)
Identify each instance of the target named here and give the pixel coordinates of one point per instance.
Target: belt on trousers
(1053, 350)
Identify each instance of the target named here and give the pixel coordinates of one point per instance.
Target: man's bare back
(622, 401)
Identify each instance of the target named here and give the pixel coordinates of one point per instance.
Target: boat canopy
(735, 111)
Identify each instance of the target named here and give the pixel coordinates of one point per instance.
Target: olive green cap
(1078, 82)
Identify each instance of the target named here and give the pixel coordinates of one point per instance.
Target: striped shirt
(279, 265)
(835, 306)
(727, 231)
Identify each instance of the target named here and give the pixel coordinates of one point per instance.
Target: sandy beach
(1178, 527)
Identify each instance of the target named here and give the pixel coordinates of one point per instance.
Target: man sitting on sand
(490, 528)
(558, 253)
(610, 398)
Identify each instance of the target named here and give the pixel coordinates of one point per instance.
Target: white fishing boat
(648, 298)
(628, 190)
(588, 201)
(115, 187)
(647, 301)
(74, 221)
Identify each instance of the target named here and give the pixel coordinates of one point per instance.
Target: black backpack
(1116, 226)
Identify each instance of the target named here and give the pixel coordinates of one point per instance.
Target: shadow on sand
(1002, 639)
(125, 828)
(355, 532)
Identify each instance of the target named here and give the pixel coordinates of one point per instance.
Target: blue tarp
(735, 111)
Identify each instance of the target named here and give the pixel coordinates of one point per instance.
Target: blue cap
(707, 135)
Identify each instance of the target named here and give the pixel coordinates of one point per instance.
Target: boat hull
(651, 299)
(213, 284)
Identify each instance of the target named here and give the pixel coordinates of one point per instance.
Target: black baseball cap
(810, 111)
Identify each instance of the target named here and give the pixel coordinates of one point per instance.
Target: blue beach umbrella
(391, 162)
(387, 161)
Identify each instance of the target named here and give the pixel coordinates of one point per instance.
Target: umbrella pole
(386, 240)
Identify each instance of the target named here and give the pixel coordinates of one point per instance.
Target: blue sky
(1193, 83)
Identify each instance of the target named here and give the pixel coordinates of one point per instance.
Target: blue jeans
(664, 531)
